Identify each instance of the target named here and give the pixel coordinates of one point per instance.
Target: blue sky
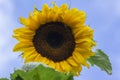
(102, 15)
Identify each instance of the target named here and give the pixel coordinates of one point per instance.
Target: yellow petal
(45, 9)
(51, 64)
(21, 46)
(65, 66)
(36, 11)
(24, 30)
(29, 51)
(23, 20)
(88, 54)
(33, 22)
(31, 58)
(64, 7)
(76, 70)
(84, 31)
(79, 59)
(30, 22)
(47, 61)
(86, 46)
(72, 62)
(43, 59)
(85, 40)
(38, 58)
(77, 20)
(73, 17)
(42, 18)
(21, 37)
(67, 17)
(58, 67)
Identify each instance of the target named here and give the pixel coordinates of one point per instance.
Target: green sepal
(102, 61)
(40, 73)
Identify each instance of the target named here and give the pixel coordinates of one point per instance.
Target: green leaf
(40, 73)
(3, 79)
(102, 61)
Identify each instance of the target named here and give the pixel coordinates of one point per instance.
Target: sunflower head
(56, 36)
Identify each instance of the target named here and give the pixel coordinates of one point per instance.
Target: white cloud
(108, 7)
(6, 10)
(117, 7)
(6, 6)
(8, 60)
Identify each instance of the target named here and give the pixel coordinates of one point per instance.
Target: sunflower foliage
(3, 79)
(102, 61)
(39, 73)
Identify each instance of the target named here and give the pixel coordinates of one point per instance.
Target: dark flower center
(55, 41)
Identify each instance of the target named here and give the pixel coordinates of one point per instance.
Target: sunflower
(56, 36)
